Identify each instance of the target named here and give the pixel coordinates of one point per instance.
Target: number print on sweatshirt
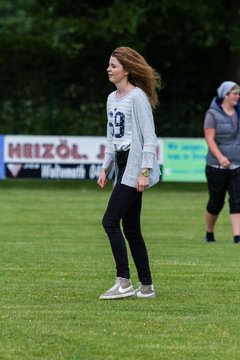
(118, 124)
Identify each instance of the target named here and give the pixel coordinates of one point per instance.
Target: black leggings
(125, 204)
(221, 181)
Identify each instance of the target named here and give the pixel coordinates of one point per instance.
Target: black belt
(121, 157)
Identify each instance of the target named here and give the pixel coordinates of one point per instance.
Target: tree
(54, 78)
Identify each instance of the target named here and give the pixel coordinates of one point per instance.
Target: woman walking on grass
(132, 147)
(222, 134)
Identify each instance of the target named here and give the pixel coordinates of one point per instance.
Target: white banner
(56, 157)
(58, 149)
(53, 149)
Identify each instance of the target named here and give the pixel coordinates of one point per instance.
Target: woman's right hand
(224, 162)
(102, 180)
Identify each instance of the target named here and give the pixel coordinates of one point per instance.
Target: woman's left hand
(102, 180)
(142, 183)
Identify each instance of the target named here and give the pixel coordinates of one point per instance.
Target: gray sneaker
(122, 288)
(145, 291)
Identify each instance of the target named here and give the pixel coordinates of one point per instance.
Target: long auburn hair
(141, 74)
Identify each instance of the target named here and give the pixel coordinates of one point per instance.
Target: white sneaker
(122, 288)
(145, 291)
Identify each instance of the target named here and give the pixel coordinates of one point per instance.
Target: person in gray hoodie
(132, 148)
(222, 134)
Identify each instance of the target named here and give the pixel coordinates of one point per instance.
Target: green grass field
(56, 261)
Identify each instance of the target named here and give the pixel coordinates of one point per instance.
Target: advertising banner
(53, 157)
(2, 168)
(184, 160)
(56, 157)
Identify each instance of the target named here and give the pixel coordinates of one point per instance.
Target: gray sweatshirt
(131, 126)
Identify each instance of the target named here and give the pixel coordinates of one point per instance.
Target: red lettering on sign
(101, 153)
(63, 151)
(27, 151)
(37, 151)
(47, 151)
(14, 150)
(75, 153)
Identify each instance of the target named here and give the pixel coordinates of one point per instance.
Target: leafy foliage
(53, 56)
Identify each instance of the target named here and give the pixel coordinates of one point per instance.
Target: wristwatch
(145, 172)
